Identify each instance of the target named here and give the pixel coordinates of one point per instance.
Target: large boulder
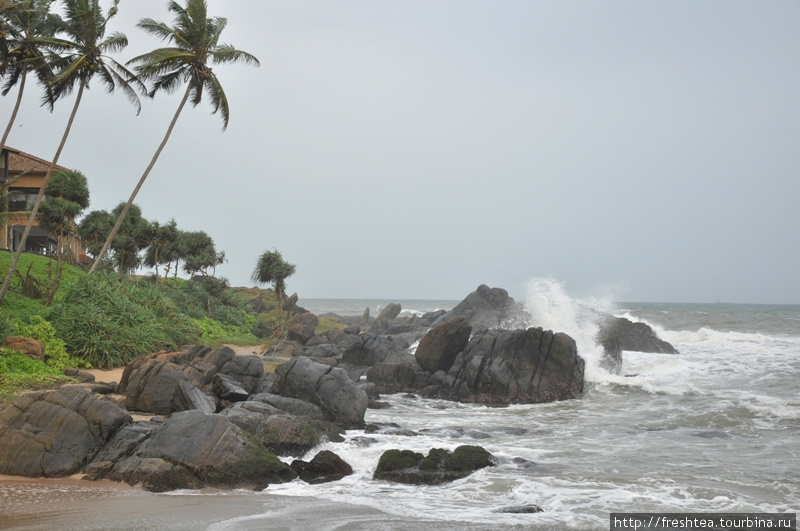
(55, 433)
(32, 348)
(157, 383)
(515, 366)
(487, 308)
(438, 349)
(439, 466)
(385, 318)
(195, 450)
(281, 434)
(302, 327)
(326, 466)
(400, 372)
(369, 349)
(620, 333)
(328, 387)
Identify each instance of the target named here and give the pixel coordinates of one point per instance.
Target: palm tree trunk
(127, 206)
(13, 118)
(39, 197)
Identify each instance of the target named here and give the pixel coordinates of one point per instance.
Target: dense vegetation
(106, 319)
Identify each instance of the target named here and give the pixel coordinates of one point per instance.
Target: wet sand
(71, 504)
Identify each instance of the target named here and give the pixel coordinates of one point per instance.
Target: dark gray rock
(195, 450)
(488, 308)
(55, 433)
(302, 327)
(292, 406)
(329, 388)
(399, 375)
(154, 382)
(439, 466)
(279, 433)
(79, 374)
(226, 388)
(188, 397)
(519, 366)
(623, 334)
(438, 349)
(385, 318)
(369, 349)
(325, 467)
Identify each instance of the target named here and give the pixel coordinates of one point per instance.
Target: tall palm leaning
(82, 55)
(195, 46)
(28, 29)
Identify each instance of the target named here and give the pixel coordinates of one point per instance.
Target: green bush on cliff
(56, 355)
(214, 333)
(108, 321)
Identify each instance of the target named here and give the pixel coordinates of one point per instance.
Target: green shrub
(56, 355)
(208, 297)
(214, 333)
(108, 321)
(19, 371)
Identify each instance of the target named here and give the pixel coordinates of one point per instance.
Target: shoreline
(73, 504)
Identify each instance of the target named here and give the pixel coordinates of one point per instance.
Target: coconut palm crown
(195, 40)
(83, 53)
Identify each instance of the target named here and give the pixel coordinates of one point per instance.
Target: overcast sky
(647, 151)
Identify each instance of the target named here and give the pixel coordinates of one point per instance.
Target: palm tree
(83, 55)
(29, 29)
(196, 46)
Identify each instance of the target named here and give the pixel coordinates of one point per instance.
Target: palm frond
(219, 101)
(228, 54)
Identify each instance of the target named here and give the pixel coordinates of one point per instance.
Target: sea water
(715, 428)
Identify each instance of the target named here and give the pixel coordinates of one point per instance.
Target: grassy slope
(18, 306)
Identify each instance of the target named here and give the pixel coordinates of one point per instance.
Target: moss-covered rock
(439, 466)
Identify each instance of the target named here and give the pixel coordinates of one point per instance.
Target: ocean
(715, 428)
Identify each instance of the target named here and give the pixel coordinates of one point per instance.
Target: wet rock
(487, 308)
(325, 467)
(514, 366)
(194, 450)
(520, 509)
(329, 388)
(439, 466)
(438, 349)
(55, 433)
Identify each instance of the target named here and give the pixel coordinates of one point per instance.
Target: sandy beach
(72, 504)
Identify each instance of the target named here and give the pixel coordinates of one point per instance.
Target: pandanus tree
(82, 49)
(28, 30)
(196, 46)
(271, 268)
(67, 197)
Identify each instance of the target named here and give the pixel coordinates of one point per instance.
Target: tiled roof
(19, 161)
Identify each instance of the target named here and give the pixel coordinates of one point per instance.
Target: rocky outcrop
(369, 349)
(399, 373)
(488, 308)
(340, 400)
(439, 466)
(32, 348)
(438, 349)
(194, 450)
(514, 366)
(302, 327)
(160, 382)
(385, 318)
(55, 433)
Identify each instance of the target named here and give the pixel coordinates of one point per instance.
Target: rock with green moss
(195, 450)
(439, 466)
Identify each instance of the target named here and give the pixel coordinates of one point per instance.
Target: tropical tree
(195, 47)
(199, 253)
(28, 31)
(67, 197)
(162, 240)
(83, 54)
(272, 269)
(93, 230)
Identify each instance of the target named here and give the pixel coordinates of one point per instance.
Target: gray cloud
(418, 149)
